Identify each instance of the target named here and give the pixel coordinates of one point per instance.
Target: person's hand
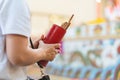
(36, 42)
(49, 51)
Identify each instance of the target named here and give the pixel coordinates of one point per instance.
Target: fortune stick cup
(55, 35)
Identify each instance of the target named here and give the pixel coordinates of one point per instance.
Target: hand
(49, 51)
(36, 42)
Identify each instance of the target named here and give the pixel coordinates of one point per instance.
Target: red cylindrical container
(55, 35)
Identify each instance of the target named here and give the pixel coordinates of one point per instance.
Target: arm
(19, 53)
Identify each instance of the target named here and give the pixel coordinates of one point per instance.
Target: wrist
(40, 54)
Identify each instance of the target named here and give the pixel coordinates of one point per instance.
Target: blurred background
(91, 45)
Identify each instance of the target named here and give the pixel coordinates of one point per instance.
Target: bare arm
(20, 54)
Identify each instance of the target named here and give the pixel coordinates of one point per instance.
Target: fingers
(50, 50)
(57, 46)
(41, 38)
(52, 56)
(51, 53)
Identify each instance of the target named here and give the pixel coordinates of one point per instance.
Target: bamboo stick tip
(70, 18)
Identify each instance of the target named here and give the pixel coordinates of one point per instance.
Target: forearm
(27, 56)
(19, 53)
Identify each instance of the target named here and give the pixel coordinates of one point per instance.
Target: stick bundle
(65, 25)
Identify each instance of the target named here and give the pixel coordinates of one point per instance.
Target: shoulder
(15, 17)
(14, 7)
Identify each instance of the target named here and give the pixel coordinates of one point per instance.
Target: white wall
(83, 10)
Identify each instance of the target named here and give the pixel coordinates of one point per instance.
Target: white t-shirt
(14, 19)
(111, 15)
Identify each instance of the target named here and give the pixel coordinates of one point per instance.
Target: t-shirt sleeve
(15, 18)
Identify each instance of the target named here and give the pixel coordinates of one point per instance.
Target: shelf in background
(93, 38)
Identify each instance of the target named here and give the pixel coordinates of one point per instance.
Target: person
(15, 30)
(112, 15)
(117, 9)
(112, 10)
